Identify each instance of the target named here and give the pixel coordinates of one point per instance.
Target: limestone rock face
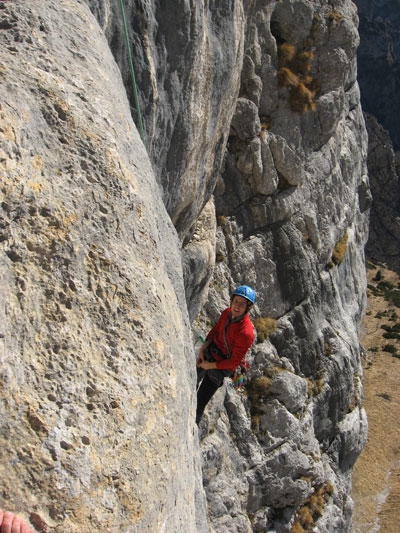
(294, 189)
(97, 377)
(253, 171)
(187, 59)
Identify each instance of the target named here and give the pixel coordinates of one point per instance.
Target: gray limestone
(97, 380)
(112, 250)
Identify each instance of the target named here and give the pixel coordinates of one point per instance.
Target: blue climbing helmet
(246, 292)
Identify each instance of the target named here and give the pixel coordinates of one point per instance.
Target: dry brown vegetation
(264, 326)
(293, 73)
(340, 249)
(308, 514)
(376, 478)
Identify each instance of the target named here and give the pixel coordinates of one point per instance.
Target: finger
(10, 523)
(25, 528)
(19, 526)
(6, 524)
(16, 525)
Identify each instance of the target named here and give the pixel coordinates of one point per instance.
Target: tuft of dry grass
(297, 528)
(334, 16)
(293, 73)
(287, 78)
(312, 508)
(286, 53)
(264, 327)
(303, 61)
(258, 389)
(314, 387)
(301, 99)
(306, 517)
(340, 249)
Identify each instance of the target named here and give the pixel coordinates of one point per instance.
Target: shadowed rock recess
(379, 79)
(253, 171)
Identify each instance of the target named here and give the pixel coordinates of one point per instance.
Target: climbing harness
(134, 86)
(237, 376)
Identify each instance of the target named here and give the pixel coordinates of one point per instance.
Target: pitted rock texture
(255, 173)
(96, 361)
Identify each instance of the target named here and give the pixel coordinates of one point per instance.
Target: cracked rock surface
(254, 172)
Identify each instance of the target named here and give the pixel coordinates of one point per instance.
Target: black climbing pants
(205, 392)
(212, 381)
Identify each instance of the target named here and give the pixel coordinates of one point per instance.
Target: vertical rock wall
(97, 379)
(292, 205)
(384, 236)
(257, 148)
(187, 59)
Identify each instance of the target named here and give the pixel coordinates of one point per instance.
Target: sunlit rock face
(97, 376)
(292, 207)
(253, 170)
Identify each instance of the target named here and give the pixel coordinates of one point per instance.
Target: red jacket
(239, 337)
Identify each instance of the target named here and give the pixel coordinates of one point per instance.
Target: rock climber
(11, 523)
(225, 346)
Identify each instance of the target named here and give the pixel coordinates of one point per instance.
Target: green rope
(135, 91)
(198, 335)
